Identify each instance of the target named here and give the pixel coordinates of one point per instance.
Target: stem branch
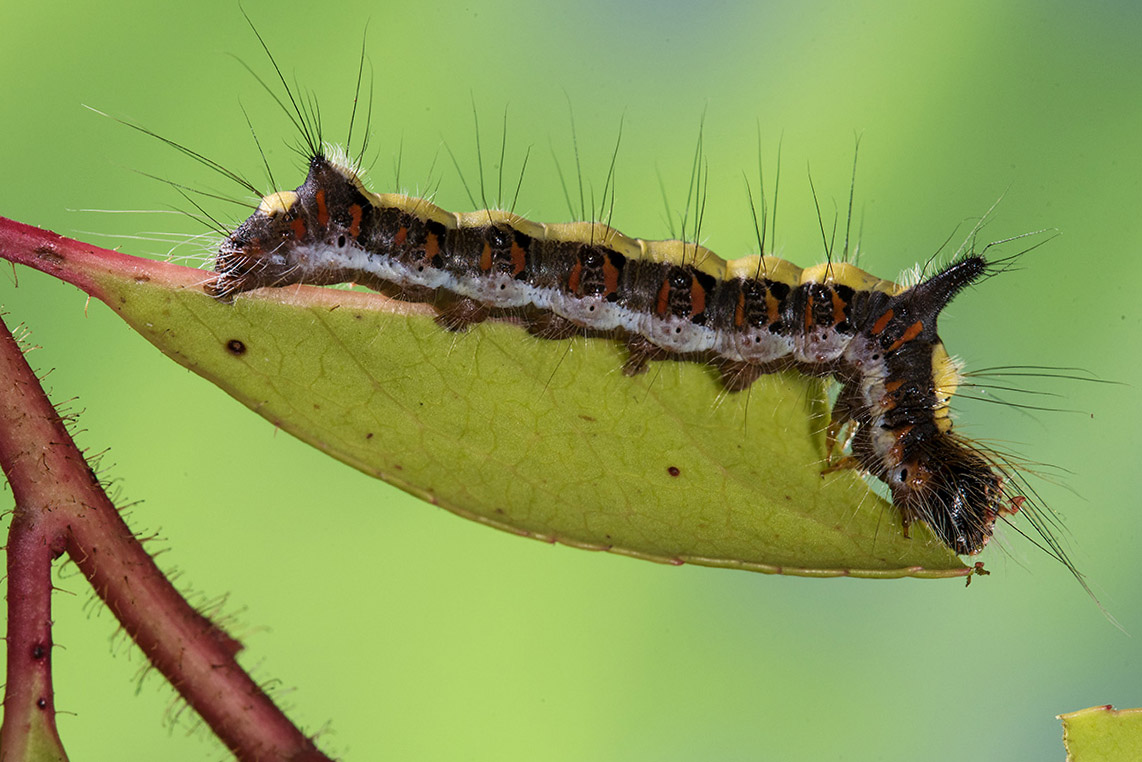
(60, 506)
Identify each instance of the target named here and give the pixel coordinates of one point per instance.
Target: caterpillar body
(667, 300)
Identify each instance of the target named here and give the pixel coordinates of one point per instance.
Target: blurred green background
(403, 632)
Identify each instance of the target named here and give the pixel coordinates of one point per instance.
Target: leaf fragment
(1103, 734)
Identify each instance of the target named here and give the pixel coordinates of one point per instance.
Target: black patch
(498, 237)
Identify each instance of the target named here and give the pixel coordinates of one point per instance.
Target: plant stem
(34, 540)
(60, 507)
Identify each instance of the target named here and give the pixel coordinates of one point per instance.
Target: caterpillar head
(953, 489)
(277, 244)
(258, 253)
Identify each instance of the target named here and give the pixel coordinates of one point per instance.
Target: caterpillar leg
(839, 430)
(548, 325)
(739, 376)
(905, 523)
(842, 427)
(462, 313)
(413, 293)
(642, 351)
(386, 287)
(843, 463)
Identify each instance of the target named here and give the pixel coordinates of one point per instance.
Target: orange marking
(573, 280)
(401, 237)
(892, 386)
(610, 276)
(697, 298)
(662, 306)
(912, 332)
(486, 257)
(739, 311)
(809, 312)
(838, 308)
(431, 247)
(355, 213)
(298, 226)
(519, 259)
(322, 209)
(882, 322)
(773, 308)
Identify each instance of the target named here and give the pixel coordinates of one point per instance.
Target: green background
(405, 632)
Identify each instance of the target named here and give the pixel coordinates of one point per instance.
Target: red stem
(60, 506)
(34, 540)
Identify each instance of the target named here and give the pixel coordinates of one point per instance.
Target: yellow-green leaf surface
(1103, 734)
(543, 438)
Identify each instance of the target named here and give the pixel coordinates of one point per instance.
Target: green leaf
(542, 438)
(1103, 734)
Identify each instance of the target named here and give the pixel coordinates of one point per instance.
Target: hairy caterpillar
(666, 300)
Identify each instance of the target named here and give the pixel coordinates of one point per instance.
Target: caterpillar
(667, 300)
